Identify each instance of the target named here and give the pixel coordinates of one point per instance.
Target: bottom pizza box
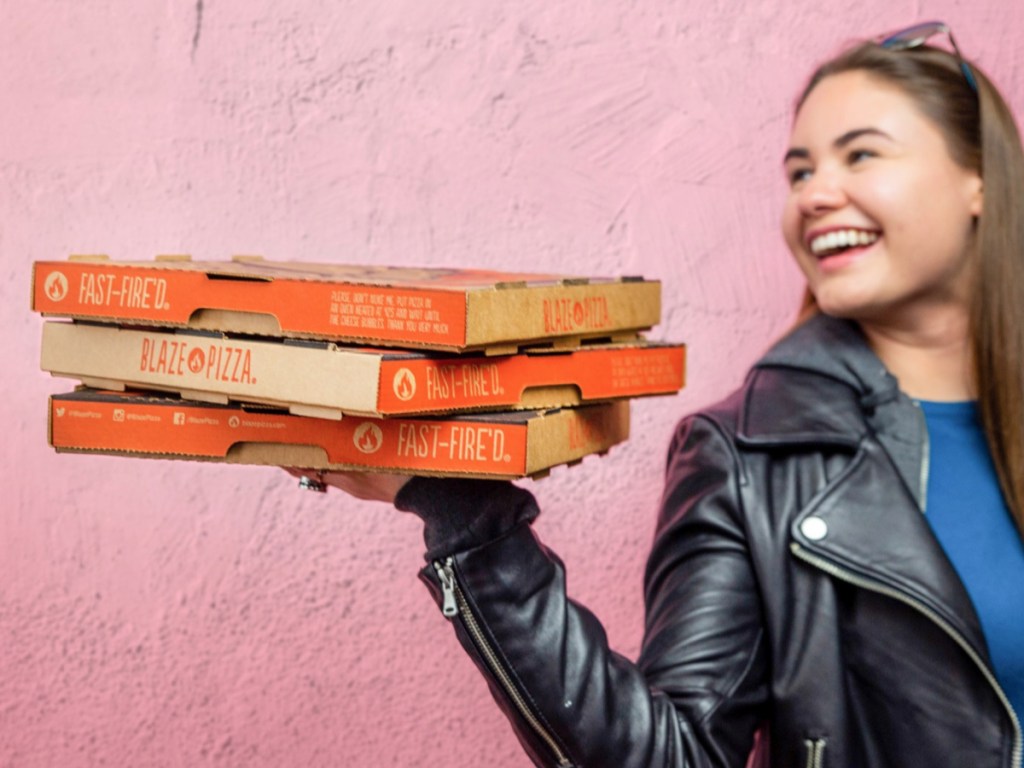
(495, 445)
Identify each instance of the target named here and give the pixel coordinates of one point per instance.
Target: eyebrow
(839, 143)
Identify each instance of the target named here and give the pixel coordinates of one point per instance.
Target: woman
(801, 610)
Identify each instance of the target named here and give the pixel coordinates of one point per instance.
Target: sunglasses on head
(918, 35)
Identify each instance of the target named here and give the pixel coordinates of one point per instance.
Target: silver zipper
(859, 581)
(454, 604)
(926, 455)
(815, 752)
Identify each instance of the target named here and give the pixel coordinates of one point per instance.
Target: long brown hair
(981, 135)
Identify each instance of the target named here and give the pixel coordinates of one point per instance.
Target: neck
(930, 362)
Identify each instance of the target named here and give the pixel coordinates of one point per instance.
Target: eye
(859, 155)
(797, 175)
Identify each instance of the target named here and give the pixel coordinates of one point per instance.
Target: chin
(849, 303)
(846, 308)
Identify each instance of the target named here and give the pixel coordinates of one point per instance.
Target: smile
(839, 240)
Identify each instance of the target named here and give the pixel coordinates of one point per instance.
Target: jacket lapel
(867, 525)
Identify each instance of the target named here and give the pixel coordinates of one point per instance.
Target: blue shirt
(967, 512)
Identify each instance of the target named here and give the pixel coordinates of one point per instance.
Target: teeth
(842, 238)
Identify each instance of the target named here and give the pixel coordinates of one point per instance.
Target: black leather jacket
(799, 610)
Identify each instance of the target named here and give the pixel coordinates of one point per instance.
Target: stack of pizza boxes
(328, 366)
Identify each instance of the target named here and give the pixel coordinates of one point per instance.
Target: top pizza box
(445, 309)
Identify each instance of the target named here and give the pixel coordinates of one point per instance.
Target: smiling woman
(801, 610)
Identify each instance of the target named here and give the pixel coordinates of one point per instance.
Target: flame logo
(404, 384)
(196, 360)
(233, 422)
(368, 438)
(56, 286)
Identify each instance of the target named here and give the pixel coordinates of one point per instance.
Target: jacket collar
(823, 385)
(834, 348)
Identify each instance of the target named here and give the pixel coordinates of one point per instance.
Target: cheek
(899, 203)
(792, 232)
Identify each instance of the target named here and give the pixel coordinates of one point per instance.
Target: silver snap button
(814, 528)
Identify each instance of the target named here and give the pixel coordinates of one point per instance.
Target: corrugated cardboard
(507, 445)
(321, 379)
(445, 309)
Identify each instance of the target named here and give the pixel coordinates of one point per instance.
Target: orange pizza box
(445, 309)
(323, 379)
(495, 445)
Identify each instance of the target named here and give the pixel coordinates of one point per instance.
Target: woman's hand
(371, 486)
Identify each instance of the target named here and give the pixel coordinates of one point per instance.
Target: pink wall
(173, 614)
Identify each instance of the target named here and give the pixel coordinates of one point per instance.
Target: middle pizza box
(326, 380)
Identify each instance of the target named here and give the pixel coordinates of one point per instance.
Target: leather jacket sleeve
(698, 692)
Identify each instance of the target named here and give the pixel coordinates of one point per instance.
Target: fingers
(369, 486)
(309, 479)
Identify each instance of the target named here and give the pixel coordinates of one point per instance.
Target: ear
(976, 196)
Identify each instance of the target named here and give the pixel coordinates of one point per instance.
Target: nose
(822, 192)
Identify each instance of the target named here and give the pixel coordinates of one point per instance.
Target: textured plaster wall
(172, 614)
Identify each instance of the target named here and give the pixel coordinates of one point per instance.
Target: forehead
(851, 100)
